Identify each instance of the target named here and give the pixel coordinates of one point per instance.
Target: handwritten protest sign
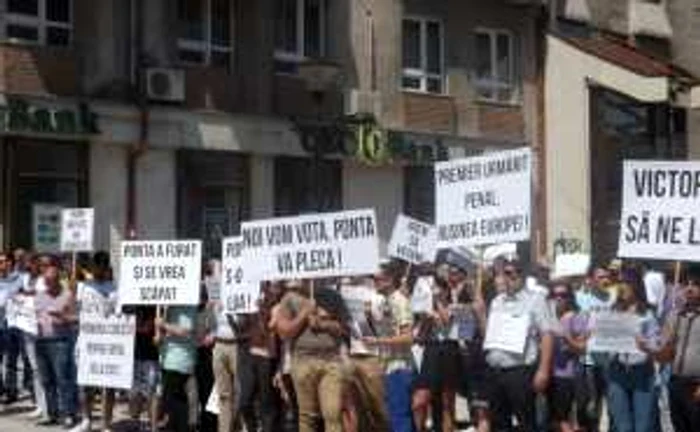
(21, 313)
(614, 332)
(105, 345)
(660, 210)
(483, 200)
(163, 272)
(312, 246)
(412, 240)
(240, 295)
(77, 229)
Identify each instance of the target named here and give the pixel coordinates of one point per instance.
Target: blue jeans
(398, 386)
(56, 365)
(10, 347)
(632, 397)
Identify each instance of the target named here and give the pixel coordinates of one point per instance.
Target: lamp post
(320, 78)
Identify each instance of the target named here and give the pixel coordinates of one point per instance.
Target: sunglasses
(559, 295)
(510, 272)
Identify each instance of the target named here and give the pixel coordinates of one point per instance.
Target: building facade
(183, 118)
(620, 83)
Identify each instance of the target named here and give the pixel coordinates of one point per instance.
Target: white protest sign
(412, 240)
(483, 200)
(566, 265)
(614, 332)
(77, 229)
(21, 313)
(506, 332)
(105, 344)
(239, 295)
(660, 210)
(312, 246)
(165, 272)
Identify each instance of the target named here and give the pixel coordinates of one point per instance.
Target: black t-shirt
(145, 349)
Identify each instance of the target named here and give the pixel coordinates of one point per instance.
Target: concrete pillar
(379, 188)
(108, 192)
(262, 187)
(156, 195)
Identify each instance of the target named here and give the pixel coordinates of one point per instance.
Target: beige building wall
(569, 72)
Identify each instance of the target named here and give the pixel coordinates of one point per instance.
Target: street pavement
(14, 419)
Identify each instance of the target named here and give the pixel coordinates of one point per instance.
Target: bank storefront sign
(366, 141)
(21, 116)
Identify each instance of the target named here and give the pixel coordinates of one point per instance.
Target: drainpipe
(141, 100)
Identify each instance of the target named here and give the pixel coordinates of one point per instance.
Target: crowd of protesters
(303, 364)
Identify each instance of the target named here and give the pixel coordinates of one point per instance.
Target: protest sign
(614, 332)
(567, 265)
(105, 344)
(660, 210)
(357, 299)
(240, 295)
(46, 228)
(77, 229)
(165, 272)
(412, 240)
(312, 246)
(21, 313)
(483, 200)
(106, 351)
(506, 332)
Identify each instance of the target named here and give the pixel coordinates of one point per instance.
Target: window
(46, 22)
(204, 32)
(495, 66)
(423, 55)
(303, 185)
(300, 31)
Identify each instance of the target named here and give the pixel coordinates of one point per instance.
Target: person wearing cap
(681, 349)
(520, 366)
(317, 326)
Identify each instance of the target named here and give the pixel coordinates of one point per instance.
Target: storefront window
(301, 186)
(213, 197)
(42, 173)
(419, 193)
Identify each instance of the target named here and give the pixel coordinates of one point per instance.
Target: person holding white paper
(98, 293)
(632, 395)
(519, 347)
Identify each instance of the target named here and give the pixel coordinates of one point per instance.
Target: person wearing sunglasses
(519, 347)
(570, 343)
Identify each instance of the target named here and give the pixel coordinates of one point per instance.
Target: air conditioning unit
(165, 85)
(361, 102)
